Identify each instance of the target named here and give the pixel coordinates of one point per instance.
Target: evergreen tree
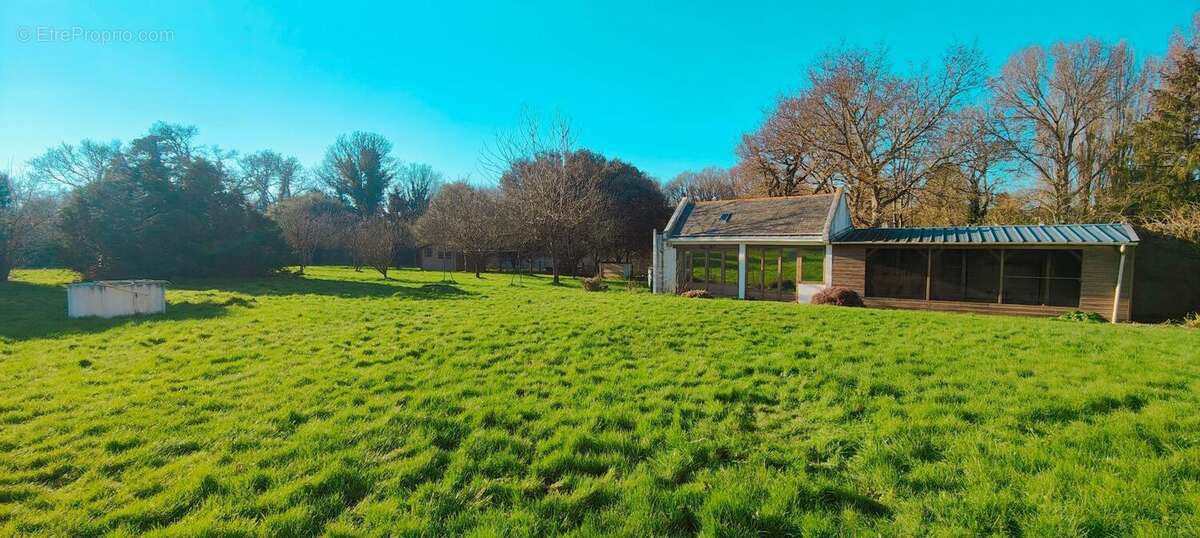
(1166, 145)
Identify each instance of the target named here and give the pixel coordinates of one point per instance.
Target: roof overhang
(956, 244)
(750, 239)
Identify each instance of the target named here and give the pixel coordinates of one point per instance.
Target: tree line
(165, 206)
(1078, 131)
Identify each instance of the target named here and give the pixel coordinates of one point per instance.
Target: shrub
(1085, 317)
(696, 294)
(838, 296)
(595, 283)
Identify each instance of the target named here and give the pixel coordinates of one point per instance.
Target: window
(896, 273)
(1042, 277)
(787, 272)
(429, 252)
(731, 268)
(754, 271)
(812, 265)
(726, 216)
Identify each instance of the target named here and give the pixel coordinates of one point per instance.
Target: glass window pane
(754, 270)
(771, 274)
(731, 268)
(787, 274)
(812, 266)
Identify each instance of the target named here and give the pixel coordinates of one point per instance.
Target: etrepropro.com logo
(80, 34)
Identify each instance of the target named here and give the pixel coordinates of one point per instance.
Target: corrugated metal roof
(1041, 234)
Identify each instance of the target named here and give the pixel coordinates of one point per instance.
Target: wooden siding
(850, 268)
(1098, 280)
(964, 306)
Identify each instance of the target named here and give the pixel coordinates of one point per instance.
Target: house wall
(1098, 280)
(431, 261)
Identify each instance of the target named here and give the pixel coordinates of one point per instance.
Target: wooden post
(928, 272)
(1120, 280)
(1000, 296)
(742, 271)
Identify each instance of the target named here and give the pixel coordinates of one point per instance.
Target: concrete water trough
(113, 298)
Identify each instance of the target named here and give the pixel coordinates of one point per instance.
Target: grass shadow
(29, 311)
(284, 285)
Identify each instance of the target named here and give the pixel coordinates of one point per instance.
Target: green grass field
(343, 405)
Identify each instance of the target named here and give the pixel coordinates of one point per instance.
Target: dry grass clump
(838, 296)
(595, 283)
(696, 294)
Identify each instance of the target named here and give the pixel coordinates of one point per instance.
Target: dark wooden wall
(1098, 280)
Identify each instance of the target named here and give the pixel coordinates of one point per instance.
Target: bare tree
(861, 126)
(977, 160)
(780, 158)
(375, 241)
(308, 225)
(711, 183)
(1062, 112)
(74, 166)
(465, 219)
(266, 177)
(555, 196)
(25, 219)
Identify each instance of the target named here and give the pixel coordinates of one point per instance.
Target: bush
(1085, 317)
(696, 294)
(838, 296)
(595, 283)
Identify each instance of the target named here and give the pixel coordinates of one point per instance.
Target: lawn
(344, 405)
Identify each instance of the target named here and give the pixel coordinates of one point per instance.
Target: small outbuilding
(113, 298)
(788, 248)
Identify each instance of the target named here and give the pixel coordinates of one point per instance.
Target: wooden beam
(1120, 280)
(742, 271)
(1000, 296)
(928, 271)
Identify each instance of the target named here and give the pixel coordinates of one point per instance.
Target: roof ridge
(757, 198)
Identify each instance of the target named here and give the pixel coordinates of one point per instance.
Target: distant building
(438, 258)
(789, 248)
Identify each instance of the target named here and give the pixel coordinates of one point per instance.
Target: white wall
(108, 299)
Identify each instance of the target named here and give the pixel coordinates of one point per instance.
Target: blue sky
(667, 87)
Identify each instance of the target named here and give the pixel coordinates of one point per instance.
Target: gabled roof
(1041, 234)
(790, 216)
